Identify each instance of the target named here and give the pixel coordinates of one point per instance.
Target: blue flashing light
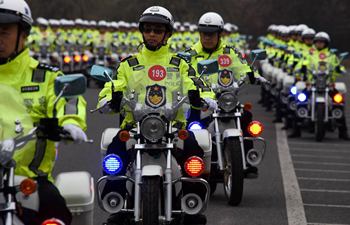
(195, 126)
(302, 97)
(112, 164)
(293, 90)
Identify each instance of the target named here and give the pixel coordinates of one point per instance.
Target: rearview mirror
(101, 73)
(185, 55)
(258, 54)
(334, 50)
(343, 55)
(70, 85)
(208, 66)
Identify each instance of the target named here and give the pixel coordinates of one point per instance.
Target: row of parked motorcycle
(157, 187)
(315, 106)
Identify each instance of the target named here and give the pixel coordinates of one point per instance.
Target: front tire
(150, 200)
(320, 125)
(233, 175)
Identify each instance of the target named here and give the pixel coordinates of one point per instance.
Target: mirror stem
(56, 100)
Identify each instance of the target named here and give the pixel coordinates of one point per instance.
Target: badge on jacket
(157, 73)
(224, 60)
(225, 78)
(155, 96)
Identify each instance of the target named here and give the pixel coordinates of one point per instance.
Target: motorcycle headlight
(293, 90)
(227, 102)
(153, 128)
(302, 97)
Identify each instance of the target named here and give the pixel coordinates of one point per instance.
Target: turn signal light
(194, 166)
(85, 58)
(53, 221)
(248, 106)
(183, 134)
(255, 128)
(338, 98)
(27, 186)
(124, 135)
(77, 58)
(67, 59)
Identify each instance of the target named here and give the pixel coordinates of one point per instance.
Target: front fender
(152, 170)
(232, 133)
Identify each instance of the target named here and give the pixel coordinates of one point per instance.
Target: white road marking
(320, 145)
(323, 150)
(329, 206)
(320, 156)
(327, 224)
(325, 190)
(294, 203)
(324, 179)
(321, 163)
(325, 171)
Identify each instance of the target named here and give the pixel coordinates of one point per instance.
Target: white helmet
(210, 22)
(92, 23)
(228, 27)
(300, 28)
(322, 36)
(102, 23)
(15, 11)
(54, 22)
(157, 14)
(308, 33)
(42, 21)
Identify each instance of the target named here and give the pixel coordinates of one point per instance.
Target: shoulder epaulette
(44, 66)
(191, 51)
(39, 73)
(175, 61)
(132, 61)
(227, 50)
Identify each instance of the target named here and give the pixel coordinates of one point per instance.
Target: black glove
(195, 99)
(251, 77)
(116, 101)
(48, 129)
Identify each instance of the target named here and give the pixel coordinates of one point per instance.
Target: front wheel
(320, 125)
(233, 175)
(150, 200)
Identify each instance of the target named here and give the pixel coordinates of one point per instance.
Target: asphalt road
(321, 173)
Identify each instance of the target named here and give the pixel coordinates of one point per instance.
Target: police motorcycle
(44, 54)
(321, 102)
(228, 138)
(288, 91)
(154, 177)
(17, 192)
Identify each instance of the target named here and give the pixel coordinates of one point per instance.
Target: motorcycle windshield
(12, 111)
(155, 101)
(222, 81)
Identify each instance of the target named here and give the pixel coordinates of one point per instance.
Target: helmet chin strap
(15, 53)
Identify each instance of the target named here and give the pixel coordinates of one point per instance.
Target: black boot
(251, 172)
(344, 135)
(198, 219)
(296, 133)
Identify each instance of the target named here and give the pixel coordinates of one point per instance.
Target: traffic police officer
(35, 82)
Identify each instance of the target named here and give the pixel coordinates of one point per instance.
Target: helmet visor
(208, 29)
(6, 17)
(154, 19)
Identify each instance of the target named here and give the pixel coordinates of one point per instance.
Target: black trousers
(51, 205)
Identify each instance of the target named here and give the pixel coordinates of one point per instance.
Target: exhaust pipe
(113, 202)
(191, 204)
